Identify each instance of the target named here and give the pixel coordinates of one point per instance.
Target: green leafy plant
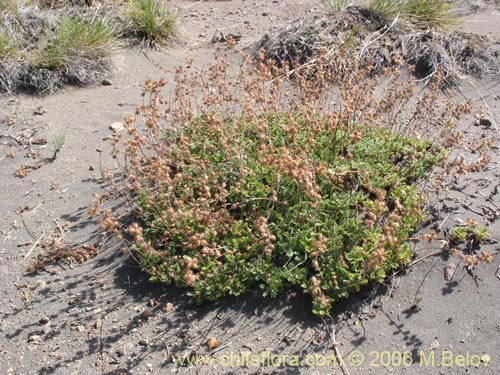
(269, 189)
(291, 215)
(469, 233)
(471, 236)
(481, 234)
(459, 234)
(153, 22)
(336, 5)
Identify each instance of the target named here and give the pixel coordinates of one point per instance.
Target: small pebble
(485, 122)
(34, 338)
(116, 127)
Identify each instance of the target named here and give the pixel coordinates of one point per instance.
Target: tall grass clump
(152, 22)
(11, 52)
(77, 51)
(430, 13)
(77, 38)
(43, 50)
(261, 184)
(387, 9)
(336, 5)
(422, 13)
(8, 6)
(10, 45)
(10, 38)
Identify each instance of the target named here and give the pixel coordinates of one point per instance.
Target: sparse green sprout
(417, 303)
(58, 143)
(153, 22)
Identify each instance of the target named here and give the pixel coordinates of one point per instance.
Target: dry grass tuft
(358, 37)
(460, 55)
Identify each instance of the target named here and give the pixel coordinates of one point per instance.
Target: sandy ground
(103, 317)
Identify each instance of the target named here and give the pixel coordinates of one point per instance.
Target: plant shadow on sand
(112, 288)
(112, 318)
(109, 316)
(106, 314)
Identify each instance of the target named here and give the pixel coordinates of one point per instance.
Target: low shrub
(282, 199)
(266, 186)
